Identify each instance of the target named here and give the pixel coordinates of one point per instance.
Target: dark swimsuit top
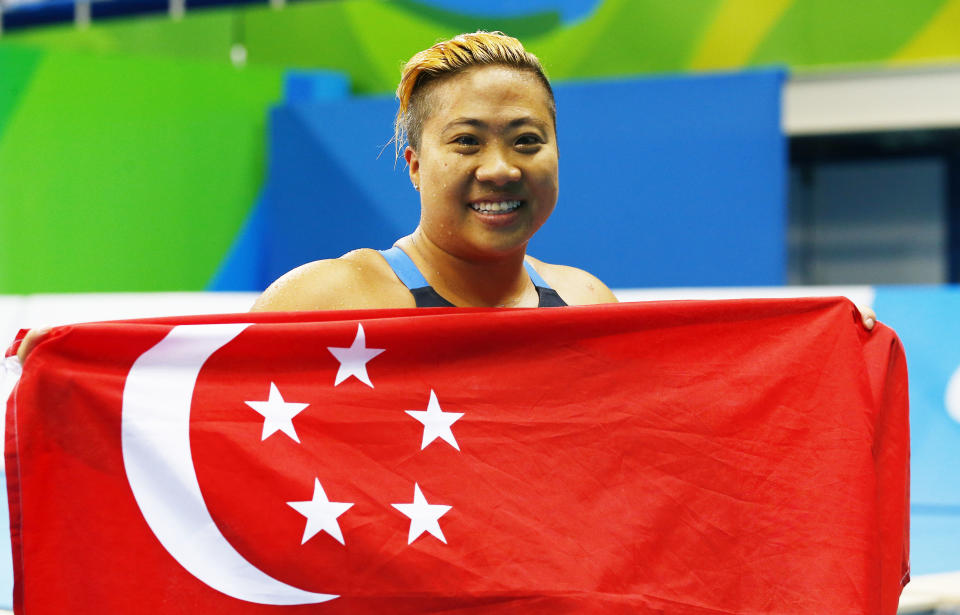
(425, 296)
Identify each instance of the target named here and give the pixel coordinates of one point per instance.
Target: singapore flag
(695, 457)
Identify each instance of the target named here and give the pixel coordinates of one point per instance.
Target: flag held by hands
(676, 457)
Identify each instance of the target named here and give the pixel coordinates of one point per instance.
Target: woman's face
(487, 162)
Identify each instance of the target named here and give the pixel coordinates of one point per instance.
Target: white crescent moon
(159, 465)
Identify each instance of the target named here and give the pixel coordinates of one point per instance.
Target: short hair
(448, 58)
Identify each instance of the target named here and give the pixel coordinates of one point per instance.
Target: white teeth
(496, 207)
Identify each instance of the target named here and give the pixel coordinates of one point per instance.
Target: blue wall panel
(330, 190)
(671, 181)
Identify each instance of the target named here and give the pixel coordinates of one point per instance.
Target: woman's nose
(497, 168)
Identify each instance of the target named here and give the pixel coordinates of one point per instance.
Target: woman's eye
(529, 141)
(467, 141)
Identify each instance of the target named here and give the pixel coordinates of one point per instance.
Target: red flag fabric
(675, 457)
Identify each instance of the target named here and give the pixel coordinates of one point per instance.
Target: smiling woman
(478, 118)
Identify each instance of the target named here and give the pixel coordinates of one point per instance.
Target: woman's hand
(30, 341)
(867, 316)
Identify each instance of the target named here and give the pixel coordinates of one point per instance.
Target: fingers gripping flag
(693, 457)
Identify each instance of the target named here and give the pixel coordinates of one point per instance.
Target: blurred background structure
(209, 145)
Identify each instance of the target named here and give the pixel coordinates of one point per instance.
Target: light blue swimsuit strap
(404, 267)
(537, 280)
(408, 273)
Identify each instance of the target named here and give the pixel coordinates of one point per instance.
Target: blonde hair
(448, 58)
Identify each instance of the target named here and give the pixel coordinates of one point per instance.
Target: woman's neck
(501, 282)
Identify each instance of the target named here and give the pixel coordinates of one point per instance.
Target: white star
(424, 517)
(321, 514)
(353, 360)
(278, 414)
(436, 422)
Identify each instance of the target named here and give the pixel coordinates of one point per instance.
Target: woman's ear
(413, 166)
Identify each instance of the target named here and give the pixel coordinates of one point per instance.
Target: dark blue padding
(570, 11)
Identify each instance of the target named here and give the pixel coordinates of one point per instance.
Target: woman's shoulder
(360, 279)
(576, 286)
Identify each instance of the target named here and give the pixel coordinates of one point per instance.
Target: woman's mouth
(496, 207)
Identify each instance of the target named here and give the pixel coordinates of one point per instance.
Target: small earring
(416, 187)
